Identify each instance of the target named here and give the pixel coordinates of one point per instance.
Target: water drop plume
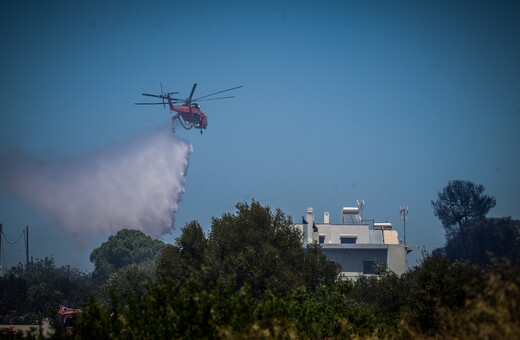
(137, 184)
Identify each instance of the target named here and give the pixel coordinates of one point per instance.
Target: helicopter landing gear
(187, 126)
(201, 132)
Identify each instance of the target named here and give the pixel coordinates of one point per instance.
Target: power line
(25, 234)
(5, 237)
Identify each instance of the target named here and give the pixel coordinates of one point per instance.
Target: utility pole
(1, 248)
(404, 212)
(27, 243)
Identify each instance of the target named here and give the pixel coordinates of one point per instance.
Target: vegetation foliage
(462, 208)
(251, 277)
(437, 299)
(486, 241)
(459, 202)
(31, 292)
(254, 247)
(125, 248)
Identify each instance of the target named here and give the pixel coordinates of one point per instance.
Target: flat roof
(336, 224)
(353, 246)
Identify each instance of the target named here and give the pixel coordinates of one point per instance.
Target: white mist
(136, 185)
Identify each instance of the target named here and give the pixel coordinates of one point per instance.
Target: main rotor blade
(219, 92)
(213, 98)
(165, 96)
(148, 103)
(191, 94)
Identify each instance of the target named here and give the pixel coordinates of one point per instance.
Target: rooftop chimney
(309, 217)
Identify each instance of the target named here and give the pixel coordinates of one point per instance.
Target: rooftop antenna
(360, 205)
(404, 211)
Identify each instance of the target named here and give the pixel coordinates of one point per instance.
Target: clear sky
(342, 100)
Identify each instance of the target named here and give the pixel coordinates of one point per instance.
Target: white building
(354, 244)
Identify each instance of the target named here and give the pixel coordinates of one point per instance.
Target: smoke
(137, 185)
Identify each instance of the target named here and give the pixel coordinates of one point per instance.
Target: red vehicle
(188, 112)
(66, 318)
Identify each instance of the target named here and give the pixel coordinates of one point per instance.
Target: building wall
(396, 260)
(333, 232)
(351, 260)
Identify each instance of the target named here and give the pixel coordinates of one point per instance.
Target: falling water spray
(137, 184)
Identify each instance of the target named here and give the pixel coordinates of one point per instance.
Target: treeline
(251, 277)
(462, 207)
(30, 293)
(438, 299)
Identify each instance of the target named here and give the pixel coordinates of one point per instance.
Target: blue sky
(375, 100)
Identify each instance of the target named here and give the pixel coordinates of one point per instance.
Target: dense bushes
(485, 241)
(435, 299)
(222, 311)
(239, 282)
(466, 303)
(30, 292)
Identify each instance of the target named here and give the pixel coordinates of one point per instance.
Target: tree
(459, 202)
(254, 247)
(263, 250)
(187, 254)
(126, 247)
(439, 290)
(485, 241)
(192, 244)
(317, 269)
(127, 281)
(13, 294)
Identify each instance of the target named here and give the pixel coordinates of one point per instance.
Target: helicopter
(188, 112)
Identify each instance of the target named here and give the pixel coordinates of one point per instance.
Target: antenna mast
(360, 205)
(404, 211)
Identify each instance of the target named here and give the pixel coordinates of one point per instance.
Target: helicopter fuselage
(191, 115)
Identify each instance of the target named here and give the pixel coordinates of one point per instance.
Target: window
(349, 239)
(322, 239)
(369, 267)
